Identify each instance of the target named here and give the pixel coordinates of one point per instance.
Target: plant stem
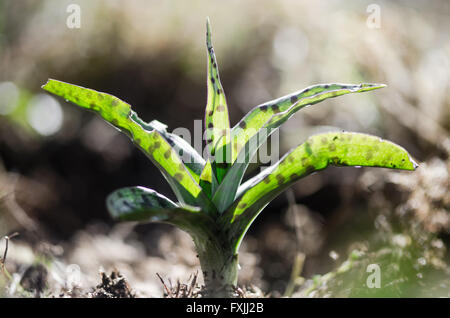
(219, 265)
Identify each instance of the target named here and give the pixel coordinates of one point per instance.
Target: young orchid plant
(215, 206)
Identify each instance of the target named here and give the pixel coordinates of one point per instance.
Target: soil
(113, 286)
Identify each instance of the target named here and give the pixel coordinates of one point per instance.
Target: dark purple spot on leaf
(167, 153)
(280, 179)
(178, 176)
(332, 147)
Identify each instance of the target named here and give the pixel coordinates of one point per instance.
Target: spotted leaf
(256, 127)
(216, 114)
(227, 189)
(259, 124)
(317, 153)
(142, 204)
(119, 114)
(208, 180)
(190, 157)
(281, 109)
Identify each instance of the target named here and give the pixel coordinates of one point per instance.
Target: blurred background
(58, 163)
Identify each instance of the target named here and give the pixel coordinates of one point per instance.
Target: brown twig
(3, 260)
(193, 283)
(169, 293)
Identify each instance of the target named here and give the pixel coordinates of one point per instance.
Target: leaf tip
(46, 84)
(365, 87)
(415, 165)
(411, 164)
(50, 85)
(372, 86)
(208, 33)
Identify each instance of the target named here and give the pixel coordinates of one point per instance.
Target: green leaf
(281, 109)
(217, 122)
(208, 180)
(259, 124)
(142, 204)
(167, 160)
(190, 157)
(226, 192)
(118, 113)
(317, 153)
(138, 204)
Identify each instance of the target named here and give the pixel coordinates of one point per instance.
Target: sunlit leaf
(227, 189)
(208, 180)
(317, 153)
(256, 127)
(119, 113)
(281, 109)
(217, 122)
(190, 157)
